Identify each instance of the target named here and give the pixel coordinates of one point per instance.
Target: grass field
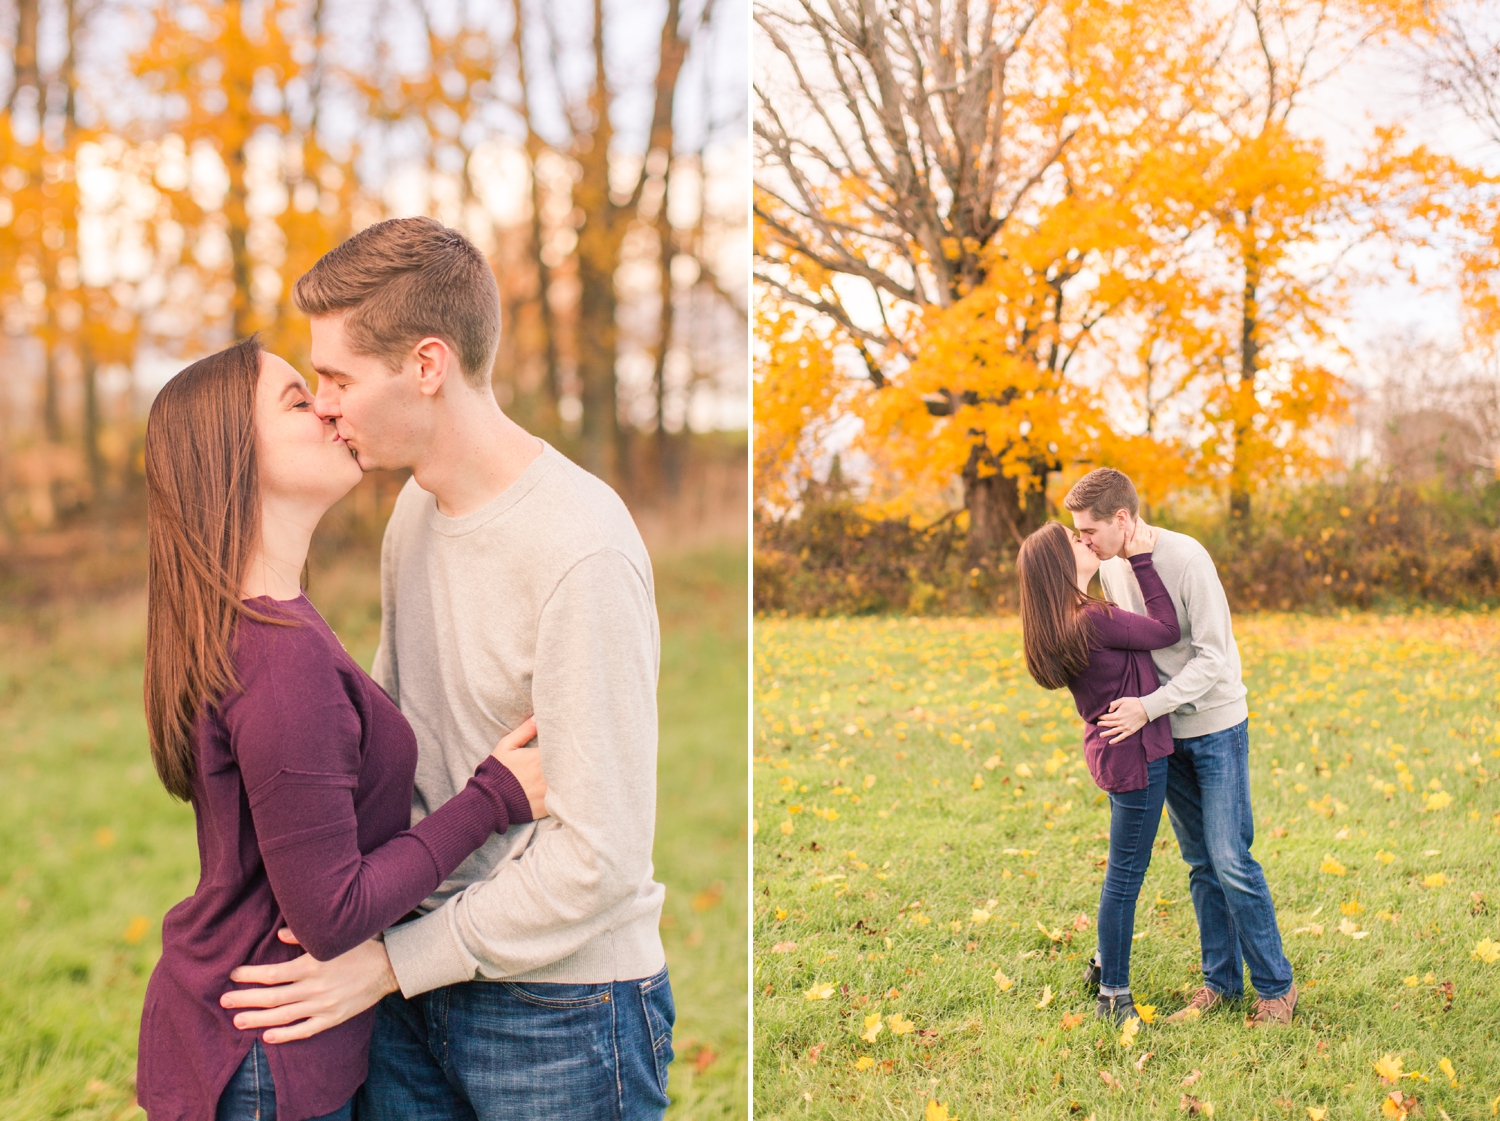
(929, 849)
(92, 852)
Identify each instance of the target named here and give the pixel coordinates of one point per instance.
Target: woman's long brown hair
(202, 525)
(1055, 630)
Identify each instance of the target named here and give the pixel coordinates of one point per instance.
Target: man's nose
(325, 405)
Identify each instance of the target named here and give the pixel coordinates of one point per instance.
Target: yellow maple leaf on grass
(1487, 951)
(899, 1024)
(1054, 935)
(1002, 980)
(818, 992)
(1351, 928)
(936, 1111)
(1436, 879)
(1147, 1013)
(1128, 1033)
(1385, 857)
(1446, 1066)
(1046, 997)
(1317, 1112)
(1389, 1068)
(1331, 867)
(864, 1062)
(873, 1027)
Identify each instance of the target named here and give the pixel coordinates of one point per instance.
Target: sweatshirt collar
(535, 472)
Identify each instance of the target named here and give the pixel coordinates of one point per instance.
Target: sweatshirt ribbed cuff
(425, 955)
(1156, 705)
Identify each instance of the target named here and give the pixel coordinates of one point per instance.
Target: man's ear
(434, 360)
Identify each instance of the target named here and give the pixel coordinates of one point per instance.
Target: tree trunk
(91, 418)
(1244, 399)
(25, 74)
(1000, 516)
(236, 214)
(598, 253)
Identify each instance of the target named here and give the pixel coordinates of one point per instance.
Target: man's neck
(476, 453)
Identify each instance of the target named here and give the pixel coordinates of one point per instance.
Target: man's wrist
(1155, 705)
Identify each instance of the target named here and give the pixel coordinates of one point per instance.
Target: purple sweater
(303, 803)
(1120, 666)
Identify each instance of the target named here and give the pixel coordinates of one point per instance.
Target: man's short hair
(402, 281)
(1103, 491)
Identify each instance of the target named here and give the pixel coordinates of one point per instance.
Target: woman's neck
(275, 567)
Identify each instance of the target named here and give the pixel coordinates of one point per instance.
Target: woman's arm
(1118, 629)
(296, 735)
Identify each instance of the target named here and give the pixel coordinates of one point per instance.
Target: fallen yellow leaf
(1331, 867)
(1072, 1019)
(1128, 1033)
(1436, 879)
(899, 1024)
(978, 782)
(1316, 1112)
(818, 992)
(1389, 1068)
(1147, 1013)
(873, 1027)
(1046, 997)
(1487, 950)
(1002, 980)
(1385, 857)
(1446, 1066)
(864, 1062)
(136, 929)
(1410, 982)
(937, 1112)
(980, 917)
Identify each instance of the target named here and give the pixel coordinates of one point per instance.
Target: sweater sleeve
(1207, 610)
(1117, 629)
(594, 690)
(295, 733)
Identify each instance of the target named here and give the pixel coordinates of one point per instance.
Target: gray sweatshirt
(1201, 686)
(541, 601)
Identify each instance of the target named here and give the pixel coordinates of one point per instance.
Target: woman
(1101, 653)
(298, 767)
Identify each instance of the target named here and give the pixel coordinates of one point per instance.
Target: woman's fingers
(524, 733)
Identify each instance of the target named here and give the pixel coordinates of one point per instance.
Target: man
(533, 983)
(1208, 777)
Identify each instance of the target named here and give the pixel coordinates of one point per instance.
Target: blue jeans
(251, 1097)
(1133, 818)
(513, 1051)
(1208, 800)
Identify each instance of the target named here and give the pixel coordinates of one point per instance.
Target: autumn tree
(952, 186)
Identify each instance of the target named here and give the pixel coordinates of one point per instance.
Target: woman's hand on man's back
(526, 764)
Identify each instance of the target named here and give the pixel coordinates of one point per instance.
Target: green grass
(1374, 743)
(92, 851)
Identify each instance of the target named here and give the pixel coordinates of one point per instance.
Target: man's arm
(1207, 609)
(594, 692)
(311, 995)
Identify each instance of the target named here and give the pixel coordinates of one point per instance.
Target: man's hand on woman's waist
(310, 995)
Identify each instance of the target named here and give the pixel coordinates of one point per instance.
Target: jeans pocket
(550, 995)
(661, 1013)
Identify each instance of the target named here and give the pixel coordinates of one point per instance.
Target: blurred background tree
(168, 168)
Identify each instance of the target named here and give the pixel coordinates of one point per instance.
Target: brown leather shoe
(1204, 999)
(1278, 1011)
